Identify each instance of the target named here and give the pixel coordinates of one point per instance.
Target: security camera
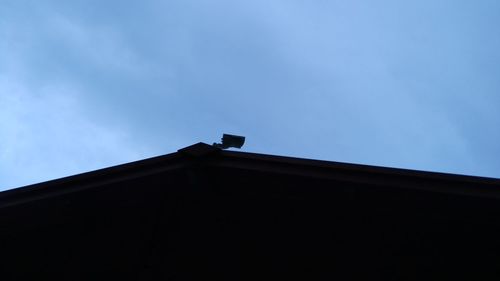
(230, 141)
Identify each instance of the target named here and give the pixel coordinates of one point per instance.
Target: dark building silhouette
(207, 214)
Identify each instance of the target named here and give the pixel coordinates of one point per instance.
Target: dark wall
(230, 224)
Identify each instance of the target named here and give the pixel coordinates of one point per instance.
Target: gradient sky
(86, 84)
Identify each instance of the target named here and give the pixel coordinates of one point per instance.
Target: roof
(212, 156)
(202, 213)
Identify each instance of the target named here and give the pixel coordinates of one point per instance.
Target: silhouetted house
(207, 214)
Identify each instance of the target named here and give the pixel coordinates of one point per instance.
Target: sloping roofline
(210, 155)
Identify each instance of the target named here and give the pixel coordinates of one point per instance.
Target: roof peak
(199, 149)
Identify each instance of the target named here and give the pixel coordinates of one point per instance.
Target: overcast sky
(89, 84)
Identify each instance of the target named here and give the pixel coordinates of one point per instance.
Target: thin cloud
(45, 135)
(411, 85)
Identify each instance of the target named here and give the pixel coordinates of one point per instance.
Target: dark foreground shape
(207, 214)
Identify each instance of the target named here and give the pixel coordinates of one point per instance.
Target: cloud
(396, 84)
(47, 127)
(45, 134)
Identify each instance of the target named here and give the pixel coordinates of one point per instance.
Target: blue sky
(87, 84)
